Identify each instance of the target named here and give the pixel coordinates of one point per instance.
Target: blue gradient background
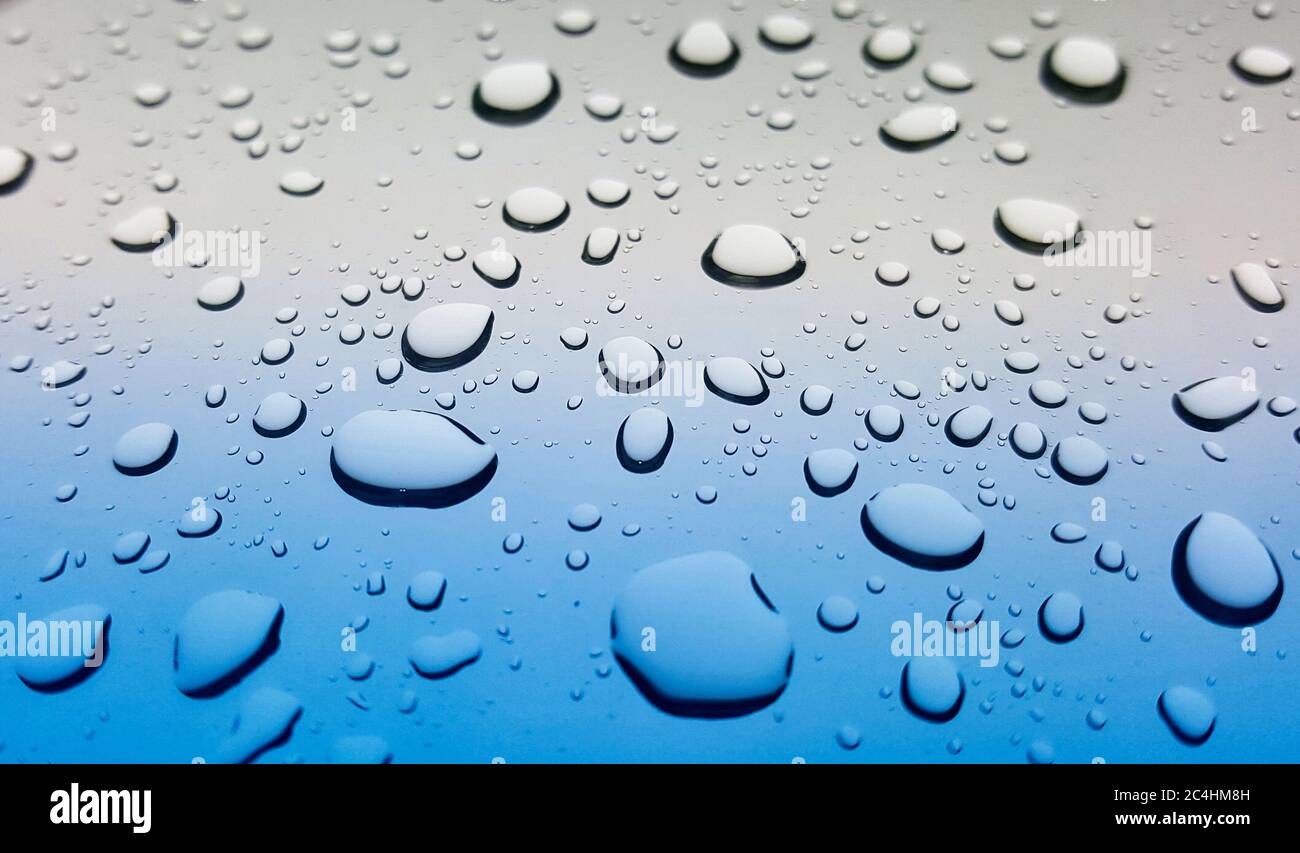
(1149, 153)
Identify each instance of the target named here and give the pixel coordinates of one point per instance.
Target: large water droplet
(1261, 64)
(1257, 288)
(1224, 572)
(1217, 403)
(222, 638)
(644, 440)
(145, 449)
(830, 471)
(438, 656)
(704, 50)
(517, 93)
(932, 688)
(923, 526)
(410, 458)
(76, 653)
(736, 380)
(699, 638)
(1189, 713)
(1084, 69)
(447, 336)
(752, 255)
(535, 209)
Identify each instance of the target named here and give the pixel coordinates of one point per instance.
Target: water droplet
(715, 646)
(923, 526)
(410, 458)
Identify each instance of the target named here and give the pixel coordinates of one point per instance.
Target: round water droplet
(1084, 69)
(752, 255)
(221, 293)
(516, 94)
(1080, 460)
(932, 688)
(1061, 617)
(704, 50)
(831, 471)
(837, 613)
(279, 415)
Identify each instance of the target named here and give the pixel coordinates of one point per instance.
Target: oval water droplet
(145, 449)
(736, 380)
(410, 458)
(447, 336)
(1217, 403)
(752, 255)
(517, 93)
(923, 526)
(644, 439)
(1224, 572)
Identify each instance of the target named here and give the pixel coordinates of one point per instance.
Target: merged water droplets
(699, 638)
(223, 637)
(440, 655)
(410, 458)
(1217, 403)
(923, 526)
